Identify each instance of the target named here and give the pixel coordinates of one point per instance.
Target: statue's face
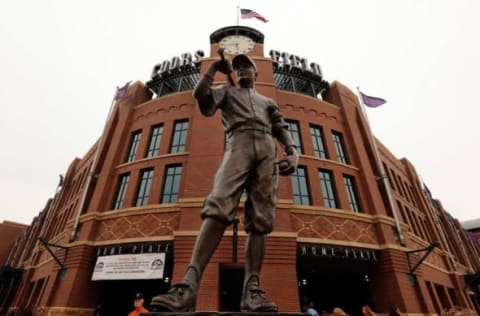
(246, 74)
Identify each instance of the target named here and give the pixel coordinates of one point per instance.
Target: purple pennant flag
(371, 102)
(121, 91)
(473, 238)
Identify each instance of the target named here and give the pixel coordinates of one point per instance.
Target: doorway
(333, 282)
(231, 283)
(116, 296)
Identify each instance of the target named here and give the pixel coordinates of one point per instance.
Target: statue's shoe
(180, 298)
(254, 300)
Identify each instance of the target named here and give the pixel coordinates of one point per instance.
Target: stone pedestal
(221, 314)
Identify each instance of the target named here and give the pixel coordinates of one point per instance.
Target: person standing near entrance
(367, 311)
(395, 310)
(251, 122)
(311, 311)
(337, 311)
(138, 304)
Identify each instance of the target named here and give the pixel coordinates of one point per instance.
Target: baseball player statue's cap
(242, 58)
(138, 296)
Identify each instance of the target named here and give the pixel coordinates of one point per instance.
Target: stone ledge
(221, 314)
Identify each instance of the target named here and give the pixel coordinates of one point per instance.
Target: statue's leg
(209, 237)
(254, 252)
(182, 296)
(253, 298)
(218, 211)
(259, 219)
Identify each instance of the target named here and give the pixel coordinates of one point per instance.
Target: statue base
(221, 314)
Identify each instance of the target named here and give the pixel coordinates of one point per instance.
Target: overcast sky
(60, 62)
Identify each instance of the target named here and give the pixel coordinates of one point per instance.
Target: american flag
(248, 14)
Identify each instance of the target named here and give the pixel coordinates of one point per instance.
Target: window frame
(166, 176)
(352, 193)
(318, 140)
(340, 148)
(154, 141)
(133, 146)
(148, 186)
(327, 198)
(178, 146)
(121, 191)
(300, 196)
(296, 135)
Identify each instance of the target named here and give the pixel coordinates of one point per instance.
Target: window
(155, 138)
(399, 185)
(339, 147)
(453, 296)
(133, 146)
(144, 187)
(401, 212)
(295, 133)
(413, 224)
(318, 142)
(171, 185)
(300, 186)
(392, 179)
(385, 171)
(326, 184)
(442, 296)
(351, 193)
(122, 188)
(433, 297)
(179, 137)
(405, 191)
(410, 193)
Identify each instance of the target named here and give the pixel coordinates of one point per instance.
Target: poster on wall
(129, 267)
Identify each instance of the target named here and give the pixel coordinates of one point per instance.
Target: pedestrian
(304, 303)
(394, 311)
(138, 304)
(311, 310)
(367, 311)
(337, 311)
(251, 122)
(98, 310)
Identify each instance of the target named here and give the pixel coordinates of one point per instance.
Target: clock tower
(237, 40)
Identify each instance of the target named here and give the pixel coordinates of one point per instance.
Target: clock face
(237, 44)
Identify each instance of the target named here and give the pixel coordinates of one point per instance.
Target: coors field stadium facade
(353, 226)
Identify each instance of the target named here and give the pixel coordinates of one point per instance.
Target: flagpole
(238, 19)
(383, 175)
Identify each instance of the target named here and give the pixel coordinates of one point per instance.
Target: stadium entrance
(116, 296)
(333, 276)
(123, 270)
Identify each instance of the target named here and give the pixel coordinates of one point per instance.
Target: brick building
(353, 225)
(9, 233)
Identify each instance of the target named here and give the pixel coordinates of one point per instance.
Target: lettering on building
(288, 60)
(177, 62)
(328, 251)
(140, 248)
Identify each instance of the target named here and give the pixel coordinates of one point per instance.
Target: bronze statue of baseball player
(251, 122)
